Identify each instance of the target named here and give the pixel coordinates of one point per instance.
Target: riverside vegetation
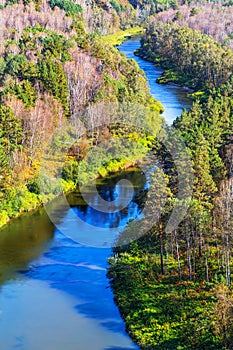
(174, 290)
(51, 70)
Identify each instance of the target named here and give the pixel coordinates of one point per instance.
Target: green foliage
(163, 282)
(199, 61)
(2, 69)
(160, 312)
(15, 65)
(169, 76)
(116, 5)
(79, 28)
(18, 66)
(120, 36)
(10, 142)
(53, 77)
(26, 93)
(56, 46)
(70, 171)
(209, 122)
(178, 16)
(117, 156)
(194, 11)
(11, 2)
(18, 199)
(25, 2)
(11, 130)
(70, 7)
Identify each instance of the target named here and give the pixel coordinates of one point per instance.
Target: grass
(161, 312)
(119, 37)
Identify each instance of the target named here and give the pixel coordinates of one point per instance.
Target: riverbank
(21, 199)
(55, 275)
(119, 80)
(166, 44)
(118, 38)
(169, 76)
(173, 288)
(173, 97)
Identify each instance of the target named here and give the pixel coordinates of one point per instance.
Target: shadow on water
(79, 270)
(32, 249)
(22, 241)
(55, 283)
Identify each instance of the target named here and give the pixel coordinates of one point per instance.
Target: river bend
(54, 291)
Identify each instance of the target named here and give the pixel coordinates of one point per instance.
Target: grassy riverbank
(26, 197)
(119, 37)
(160, 311)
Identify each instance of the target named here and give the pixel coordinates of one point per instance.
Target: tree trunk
(178, 255)
(161, 246)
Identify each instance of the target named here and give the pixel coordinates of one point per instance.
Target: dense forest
(211, 19)
(174, 287)
(50, 70)
(193, 58)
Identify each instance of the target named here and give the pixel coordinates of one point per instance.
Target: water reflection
(80, 271)
(62, 282)
(22, 241)
(55, 293)
(108, 190)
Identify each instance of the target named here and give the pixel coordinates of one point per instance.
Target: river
(54, 291)
(173, 98)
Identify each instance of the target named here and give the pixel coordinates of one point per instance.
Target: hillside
(174, 285)
(51, 70)
(213, 20)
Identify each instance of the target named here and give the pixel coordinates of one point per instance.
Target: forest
(211, 19)
(177, 285)
(46, 77)
(57, 60)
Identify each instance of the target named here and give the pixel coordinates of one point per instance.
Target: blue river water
(54, 293)
(173, 98)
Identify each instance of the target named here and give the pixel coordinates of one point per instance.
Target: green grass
(161, 312)
(119, 37)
